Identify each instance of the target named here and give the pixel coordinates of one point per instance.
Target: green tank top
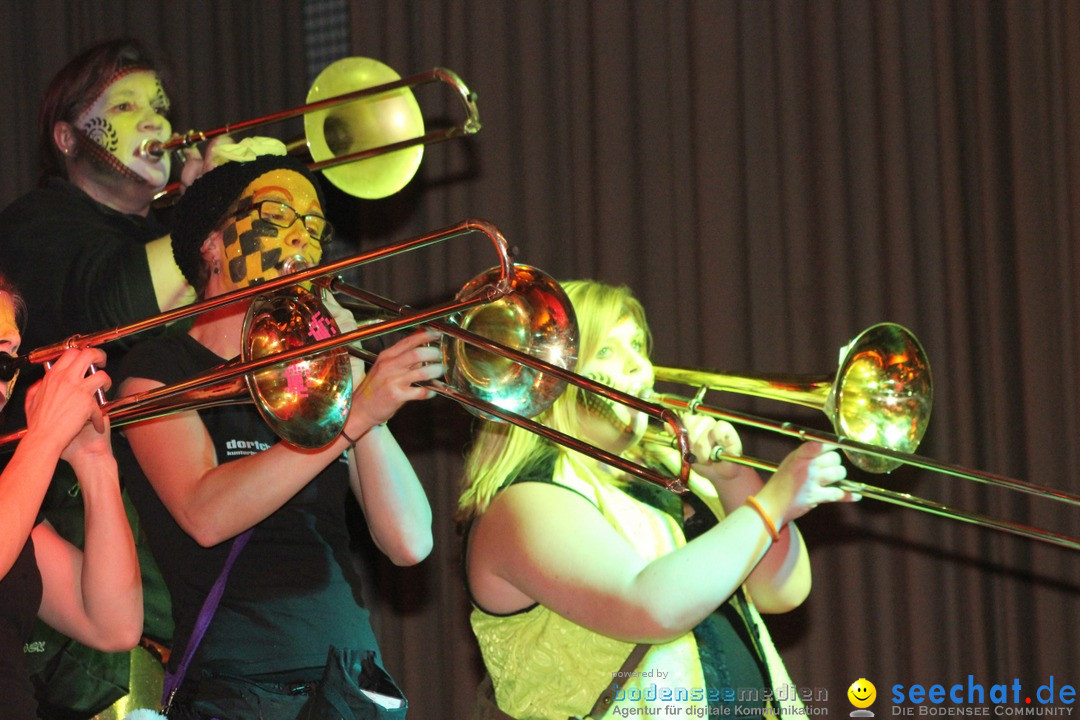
(544, 666)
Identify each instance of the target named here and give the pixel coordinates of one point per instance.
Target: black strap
(608, 696)
(486, 706)
(490, 709)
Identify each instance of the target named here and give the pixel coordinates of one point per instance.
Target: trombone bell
(307, 401)
(882, 395)
(537, 319)
(379, 120)
(879, 404)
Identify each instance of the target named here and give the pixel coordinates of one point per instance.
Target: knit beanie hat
(202, 207)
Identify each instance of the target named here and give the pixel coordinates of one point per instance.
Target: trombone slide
(873, 492)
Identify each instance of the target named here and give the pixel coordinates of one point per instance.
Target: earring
(217, 267)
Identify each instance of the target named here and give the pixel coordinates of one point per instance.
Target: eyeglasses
(281, 215)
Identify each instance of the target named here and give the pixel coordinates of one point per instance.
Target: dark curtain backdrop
(770, 178)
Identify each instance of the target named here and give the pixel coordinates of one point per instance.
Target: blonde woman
(572, 565)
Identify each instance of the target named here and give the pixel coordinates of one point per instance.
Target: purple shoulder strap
(174, 680)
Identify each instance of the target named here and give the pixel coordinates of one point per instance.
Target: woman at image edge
(95, 594)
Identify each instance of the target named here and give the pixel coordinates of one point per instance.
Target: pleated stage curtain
(770, 177)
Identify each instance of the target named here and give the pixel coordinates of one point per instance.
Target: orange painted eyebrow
(260, 194)
(272, 188)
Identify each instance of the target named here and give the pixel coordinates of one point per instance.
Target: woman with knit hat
(289, 630)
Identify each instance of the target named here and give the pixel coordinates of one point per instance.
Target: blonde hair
(500, 451)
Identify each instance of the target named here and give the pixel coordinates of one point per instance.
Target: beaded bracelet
(773, 532)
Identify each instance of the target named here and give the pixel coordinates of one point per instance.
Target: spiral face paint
(131, 109)
(254, 248)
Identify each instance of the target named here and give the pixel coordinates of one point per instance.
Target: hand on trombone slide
(394, 375)
(63, 405)
(805, 479)
(394, 379)
(196, 163)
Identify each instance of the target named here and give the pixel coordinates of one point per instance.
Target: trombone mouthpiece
(152, 149)
(292, 264)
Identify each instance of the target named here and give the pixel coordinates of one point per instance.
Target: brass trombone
(208, 389)
(878, 402)
(519, 292)
(478, 365)
(357, 109)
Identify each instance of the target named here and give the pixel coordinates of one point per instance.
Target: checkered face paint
(132, 108)
(255, 248)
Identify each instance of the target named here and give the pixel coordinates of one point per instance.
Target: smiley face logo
(862, 693)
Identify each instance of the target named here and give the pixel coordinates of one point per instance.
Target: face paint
(602, 407)
(256, 249)
(620, 363)
(111, 130)
(9, 341)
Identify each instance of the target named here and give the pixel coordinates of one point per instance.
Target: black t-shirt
(20, 597)
(292, 592)
(80, 265)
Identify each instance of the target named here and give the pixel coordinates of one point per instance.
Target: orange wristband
(773, 532)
